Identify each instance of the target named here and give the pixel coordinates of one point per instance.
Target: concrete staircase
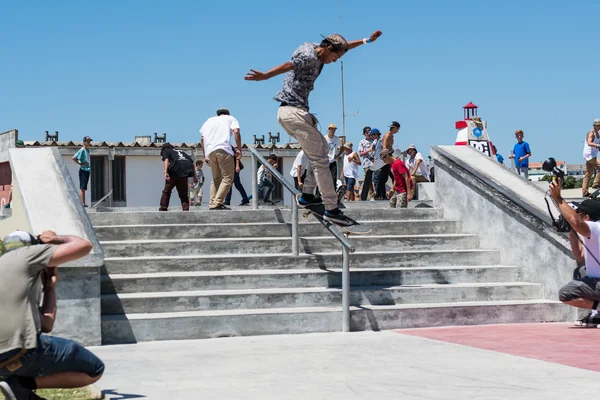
(201, 274)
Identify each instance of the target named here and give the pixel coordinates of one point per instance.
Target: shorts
(54, 355)
(399, 200)
(581, 288)
(84, 178)
(350, 183)
(195, 192)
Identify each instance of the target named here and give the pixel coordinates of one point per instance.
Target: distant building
(536, 172)
(576, 170)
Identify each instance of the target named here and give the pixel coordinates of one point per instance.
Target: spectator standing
(336, 149)
(216, 147)
(379, 179)
(30, 359)
(349, 173)
(521, 153)
(417, 167)
(590, 155)
(82, 158)
(264, 178)
(499, 157)
(237, 182)
(299, 168)
(367, 152)
(178, 167)
(196, 185)
(403, 185)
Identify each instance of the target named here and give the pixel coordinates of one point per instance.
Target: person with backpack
(178, 167)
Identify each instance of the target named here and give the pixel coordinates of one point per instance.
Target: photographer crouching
(584, 236)
(29, 359)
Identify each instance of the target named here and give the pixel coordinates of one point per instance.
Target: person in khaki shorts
(218, 154)
(403, 184)
(302, 71)
(590, 155)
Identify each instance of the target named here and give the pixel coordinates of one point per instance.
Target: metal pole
(295, 244)
(342, 70)
(254, 183)
(345, 290)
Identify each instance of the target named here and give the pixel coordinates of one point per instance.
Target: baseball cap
(411, 146)
(332, 126)
(223, 111)
(338, 41)
(597, 121)
(348, 144)
(375, 131)
(385, 152)
(589, 206)
(16, 240)
(87, 138)
(395, 124)
(20, 143)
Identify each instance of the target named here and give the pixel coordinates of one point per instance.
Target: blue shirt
(520, 150)
(83, 156)
(499, 158)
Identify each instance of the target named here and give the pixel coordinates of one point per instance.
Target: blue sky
(113, 70)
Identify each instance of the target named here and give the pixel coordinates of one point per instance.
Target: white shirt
(217, 132)
(335, 144)
(590, 152)
(350, 167)
(422, 167)
(593, 243)
(301, 160)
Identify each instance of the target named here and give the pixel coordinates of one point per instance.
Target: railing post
(254, 183)
(295, 247)
(345, 289)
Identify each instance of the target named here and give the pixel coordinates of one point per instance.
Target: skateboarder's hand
(255, 75)
(167, 177)
(375, 35)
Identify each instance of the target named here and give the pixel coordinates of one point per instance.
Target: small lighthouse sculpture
(472, 131)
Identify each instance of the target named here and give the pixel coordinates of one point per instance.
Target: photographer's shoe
(588, 321)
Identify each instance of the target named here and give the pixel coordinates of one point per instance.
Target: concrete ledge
(44, 197)
(507, 212)
(426, 191)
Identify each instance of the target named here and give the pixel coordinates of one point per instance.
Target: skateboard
(319, 210)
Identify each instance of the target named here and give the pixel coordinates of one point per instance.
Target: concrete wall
(506, 211)
(48, 199)
(73, 170)
(144, 182)
(7, 141)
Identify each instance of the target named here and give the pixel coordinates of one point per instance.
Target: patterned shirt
(363, 146)
(300, 81)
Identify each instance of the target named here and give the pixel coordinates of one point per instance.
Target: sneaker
(588, 321)
(304, 202)
(596, 187)
(338, 218)
(245, 203)
(12, 390)
(227, 203)
(220, 207)
(586, 195)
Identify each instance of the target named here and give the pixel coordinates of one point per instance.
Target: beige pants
(399, 200)
(590, 166)
(222, 168)
(302, 126)
(416, 179)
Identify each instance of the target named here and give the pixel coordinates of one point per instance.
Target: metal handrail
(103, 198)
(347, 246)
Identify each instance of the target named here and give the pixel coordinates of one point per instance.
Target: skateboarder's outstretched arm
(255, 75)
(355, 43)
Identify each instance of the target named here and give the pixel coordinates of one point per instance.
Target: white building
(134, 170)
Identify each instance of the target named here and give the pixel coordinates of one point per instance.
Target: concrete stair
(201, 274)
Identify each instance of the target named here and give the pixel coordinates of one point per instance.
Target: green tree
(569, 182)
(546, 178)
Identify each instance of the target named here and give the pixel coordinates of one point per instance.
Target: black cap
(589, 207)
(222, 111)
(87, 138)
(395, 124)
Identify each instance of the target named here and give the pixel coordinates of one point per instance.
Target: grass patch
(63, 394)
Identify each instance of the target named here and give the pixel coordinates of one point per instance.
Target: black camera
(550, 166)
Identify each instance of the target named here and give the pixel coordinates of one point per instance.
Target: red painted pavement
(554, 342)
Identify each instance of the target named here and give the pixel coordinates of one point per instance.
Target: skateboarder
(294, 116)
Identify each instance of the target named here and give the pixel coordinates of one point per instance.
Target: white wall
(144, 182)
(74, 172)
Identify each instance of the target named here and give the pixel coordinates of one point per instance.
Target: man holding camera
(29, 359)
(584, 219)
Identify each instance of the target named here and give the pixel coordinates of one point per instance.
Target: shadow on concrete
(116, 328)
(371, 319)
(115, 395)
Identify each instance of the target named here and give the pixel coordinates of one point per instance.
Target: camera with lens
(560, 224)
(550, 166)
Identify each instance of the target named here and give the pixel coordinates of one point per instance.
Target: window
(97, 177)
(118, 179)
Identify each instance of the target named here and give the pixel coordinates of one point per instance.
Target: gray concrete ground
(365, 365)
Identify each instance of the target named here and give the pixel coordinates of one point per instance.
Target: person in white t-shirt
(582, 291)
(299, 168)
(590, 155)
(349, 173)
(336, 149)
(417, 167)
(218, 154)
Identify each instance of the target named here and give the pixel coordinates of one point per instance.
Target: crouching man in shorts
(30, 360)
